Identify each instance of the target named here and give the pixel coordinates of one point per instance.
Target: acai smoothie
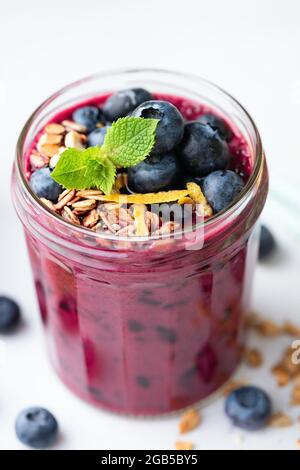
(143, 308)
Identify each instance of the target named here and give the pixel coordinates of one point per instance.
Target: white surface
(251, 48)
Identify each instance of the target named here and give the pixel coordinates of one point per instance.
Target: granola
(184, 445)
(253, 357)
(295, 400)
(189, 421)
(286, 370)
(281, 375)
(280, 420)
(269, 328)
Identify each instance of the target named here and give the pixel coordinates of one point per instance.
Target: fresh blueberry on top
(202, 150)
(221, 188)
(88, 116)
(36, 427)
(170, 128)
(9, 314)
(248, 407)
(267, 243)
(156, 173)
(96, 137)
(217, 124)
(45, 186)
(123, 102)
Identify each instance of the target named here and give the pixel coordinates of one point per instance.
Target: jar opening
(201, 89)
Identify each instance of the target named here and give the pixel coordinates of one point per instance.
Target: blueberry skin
(36, 427)
(170, 128)
(248, 407)
(97, 136)
(45, 186)
(217, 124)
(167, 335)
(88, 116)
(267, 244)
(221, 188)
(124, 102)
(9, 314)
(156, 173)
(202, 150)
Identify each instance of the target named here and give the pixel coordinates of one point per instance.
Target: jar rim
(217, 218)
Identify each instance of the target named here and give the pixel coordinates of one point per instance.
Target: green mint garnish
(84, 169)
(127, 142)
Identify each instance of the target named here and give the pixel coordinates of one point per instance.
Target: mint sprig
(84, 169)
(127, 142)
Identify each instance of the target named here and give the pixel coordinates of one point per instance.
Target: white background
(251, 48)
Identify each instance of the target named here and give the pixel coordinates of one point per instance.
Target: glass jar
(137, 325)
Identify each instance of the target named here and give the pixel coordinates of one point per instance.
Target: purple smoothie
(152, 330)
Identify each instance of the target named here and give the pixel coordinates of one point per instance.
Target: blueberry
(36, 427)
(168, 335)
(221, 188)
(123, 102)
(95, 392)
(9, 314)
(67, 312)
(248, 407)
(156, 173)
(45, 186)
(143, 381)
(207, 363)
(135, 326)
(88, 116)
(148, 299)
(96, 137)
(217, 124)
(267, 243)
(202, 150)
(170, 128)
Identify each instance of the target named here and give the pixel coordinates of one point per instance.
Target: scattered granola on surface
(280, 420)
(184, 445)
(190, 420)
(285, 370)
(233, 385)
(295, 400)
(253, 357)
(291, 330)
(269, 328)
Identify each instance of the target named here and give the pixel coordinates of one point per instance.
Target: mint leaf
(104, 174)
(85, 169)
(129, 140)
